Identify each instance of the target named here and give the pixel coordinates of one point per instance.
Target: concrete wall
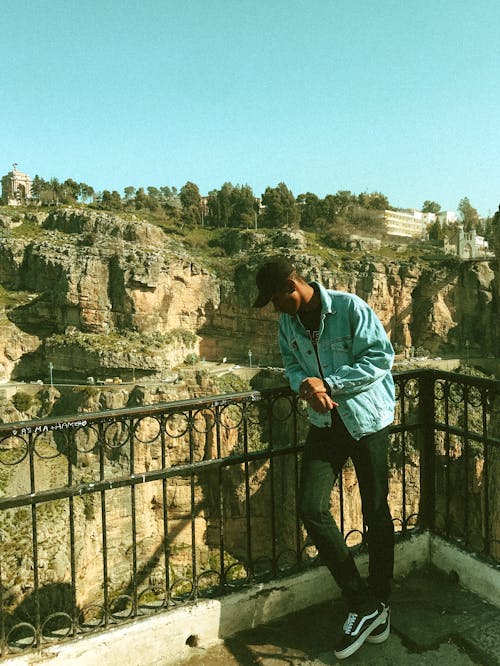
(163, 639)
(472, 573)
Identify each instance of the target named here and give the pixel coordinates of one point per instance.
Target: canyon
(98, 295)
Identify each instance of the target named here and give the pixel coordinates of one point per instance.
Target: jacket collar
(326, 299)
(326, 302)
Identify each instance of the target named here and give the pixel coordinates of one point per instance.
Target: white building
(447, 217)
(411, 224)
(466, 244)
(414, 223)
(16, 188)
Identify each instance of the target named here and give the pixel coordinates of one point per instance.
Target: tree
(111, 200)
(50, 192)
(373, 201)
(129, 192)
(48, 197)
(191, 204)
(343, 200)
(171, 199)
(38, 185)
(366, 221)
(430, 207)
(155, 193)
(329, 208)
(310, 210)
(435, 229)
(190, 195)
(468, 215)
(225, 204)
(70, 191)
(231, 206)
(243, 206)
(140, 199)
(86, 192)
(169, 192)
(280, 210)
(213, 207)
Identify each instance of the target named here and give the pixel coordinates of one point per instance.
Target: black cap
(270, 277)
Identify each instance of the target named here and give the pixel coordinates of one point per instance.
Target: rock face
(101, 276)
(435, 308)
(14, 345)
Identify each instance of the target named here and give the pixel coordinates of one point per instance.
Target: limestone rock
(100, 275)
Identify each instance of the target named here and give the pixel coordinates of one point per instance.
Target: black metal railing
(114, 515)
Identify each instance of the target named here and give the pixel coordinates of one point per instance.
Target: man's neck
(311, 300)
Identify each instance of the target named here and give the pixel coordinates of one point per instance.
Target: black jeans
(325, 453)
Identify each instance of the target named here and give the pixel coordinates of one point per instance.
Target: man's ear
(290, 286)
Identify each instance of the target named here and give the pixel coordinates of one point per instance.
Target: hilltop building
(466, 244)
(447, 217)
(16, 188)
(411, 224)
(414, 224)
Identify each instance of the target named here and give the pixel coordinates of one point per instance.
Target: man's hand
(321, 402)
(310, 385)
(314, 392)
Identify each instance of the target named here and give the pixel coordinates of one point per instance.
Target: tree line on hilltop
(235, 206)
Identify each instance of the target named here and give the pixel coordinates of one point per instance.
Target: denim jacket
(355, 355)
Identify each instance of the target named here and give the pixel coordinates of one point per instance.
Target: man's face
(287, 299)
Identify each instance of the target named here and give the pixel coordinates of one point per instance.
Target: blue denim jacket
(356, 358)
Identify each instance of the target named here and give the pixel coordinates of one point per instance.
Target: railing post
(427, 510)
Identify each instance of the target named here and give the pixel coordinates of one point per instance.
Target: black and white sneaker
(381, 633)
(357, 628)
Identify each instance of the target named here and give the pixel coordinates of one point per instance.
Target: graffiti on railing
(153, 508)
(53, 427)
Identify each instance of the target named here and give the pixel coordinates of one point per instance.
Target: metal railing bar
(42, 496)
(158, 408)
(422, 434)
(468, 434)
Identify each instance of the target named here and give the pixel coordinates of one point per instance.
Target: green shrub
(22, 401)
(191, 359)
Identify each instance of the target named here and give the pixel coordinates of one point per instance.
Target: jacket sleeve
(372, 353)
(293, 370)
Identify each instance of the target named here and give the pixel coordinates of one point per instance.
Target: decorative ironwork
(129, 512)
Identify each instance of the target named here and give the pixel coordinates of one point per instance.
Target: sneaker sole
(354, 647)
(381, 637)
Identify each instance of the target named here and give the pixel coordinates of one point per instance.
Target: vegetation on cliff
(236, 206)
(136, 293)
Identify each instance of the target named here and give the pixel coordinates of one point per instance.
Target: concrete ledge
(475, 575)
(161, 638)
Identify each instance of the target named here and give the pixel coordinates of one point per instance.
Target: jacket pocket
(341, 349)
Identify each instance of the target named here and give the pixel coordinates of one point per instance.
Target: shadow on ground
(434, 621)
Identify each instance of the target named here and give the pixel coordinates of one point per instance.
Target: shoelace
(349, 623)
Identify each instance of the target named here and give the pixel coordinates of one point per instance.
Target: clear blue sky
(397, 96)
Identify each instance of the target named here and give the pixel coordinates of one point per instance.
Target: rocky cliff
(98, 295)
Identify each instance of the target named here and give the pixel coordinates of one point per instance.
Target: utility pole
(51, 367)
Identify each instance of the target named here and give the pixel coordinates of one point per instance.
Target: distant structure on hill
(414, 223)
(16, 188)
(466, 244)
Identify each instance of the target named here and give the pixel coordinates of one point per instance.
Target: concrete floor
(434, 622)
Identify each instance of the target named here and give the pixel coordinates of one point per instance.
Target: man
(338, 358)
